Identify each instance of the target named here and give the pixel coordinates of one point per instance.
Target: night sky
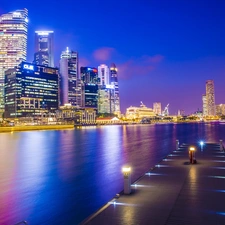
(165, 50)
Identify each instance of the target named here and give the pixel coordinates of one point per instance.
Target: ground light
(192, 155)
(127, 179)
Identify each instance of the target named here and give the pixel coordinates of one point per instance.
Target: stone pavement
(174, 192)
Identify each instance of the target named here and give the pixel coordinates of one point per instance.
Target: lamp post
(201, 144)
(127, 180)
(221, 145)
(192, 155)
(177, 144)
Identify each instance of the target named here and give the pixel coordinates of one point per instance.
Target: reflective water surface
(61, 177)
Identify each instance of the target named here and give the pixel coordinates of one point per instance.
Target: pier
(173, 192)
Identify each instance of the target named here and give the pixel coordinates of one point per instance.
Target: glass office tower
(30, 90)
(44, 52)
(13, 44)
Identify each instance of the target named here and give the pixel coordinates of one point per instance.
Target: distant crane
(165, 112)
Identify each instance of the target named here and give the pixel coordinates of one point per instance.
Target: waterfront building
(90, 81)
(106, 99)
(114, 82)
(31, 90)
(210, 98)
(44, 48)
(204, 108)
(103, 74)
(138, 113)
(220, 110)
(13, 44)
(181, 112)
(76, 115)
(157, 109)
(70, 82)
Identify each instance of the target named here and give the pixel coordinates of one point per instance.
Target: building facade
(106, 99)
(204, 103)
(44, 48)
(90, 81)
(115, 83)
(157, 108)
(210, 98)
(220, 110)
(13, 44)
(138, 113)
(70, 82)
(31, 90)
(103, 74)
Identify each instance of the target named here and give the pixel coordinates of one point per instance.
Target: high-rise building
(114, 82)
(13, 44)
(90, 81)
(103, 74)
(220, 109)
(157, 109)
(204, 108)
(44, 48)
(31, 90)
(106, 99)
(210, 98)
(70, 82)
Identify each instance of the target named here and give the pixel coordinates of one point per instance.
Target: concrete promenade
(174, 192)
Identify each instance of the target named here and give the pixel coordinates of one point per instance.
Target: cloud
(103, 54)
(84, 62)
(139, 67)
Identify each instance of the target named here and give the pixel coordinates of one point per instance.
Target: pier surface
(174, 192)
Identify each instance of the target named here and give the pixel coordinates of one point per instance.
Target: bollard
(127, 180)
(177, 144)
(192, 155)
(221, 145)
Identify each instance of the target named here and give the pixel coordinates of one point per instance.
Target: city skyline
(160, 57)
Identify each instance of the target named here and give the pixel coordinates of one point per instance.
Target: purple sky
(164, 50)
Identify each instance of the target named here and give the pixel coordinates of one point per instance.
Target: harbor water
(63, 176)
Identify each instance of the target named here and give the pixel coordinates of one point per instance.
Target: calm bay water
(61, 177)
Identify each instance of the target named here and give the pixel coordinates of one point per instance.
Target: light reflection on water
(61, 177)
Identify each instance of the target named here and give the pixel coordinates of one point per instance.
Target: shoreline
(35, 127)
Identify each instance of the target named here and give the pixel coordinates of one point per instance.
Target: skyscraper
(70, 83)
(103, 74)
(30, 90)
(204, 108)
(90, 81)
(13, 43)
(44, 52)
(210, 98)
(114, 82)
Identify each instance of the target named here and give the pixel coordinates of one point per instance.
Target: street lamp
(127, 179)
(192, 155)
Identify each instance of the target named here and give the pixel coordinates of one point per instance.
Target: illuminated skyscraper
(103, 74)
(114, 82)
(90, 81)
(70, 87)
(44, 52)
(31, 90)
(204, 108)
(210, 98)
(13, 43)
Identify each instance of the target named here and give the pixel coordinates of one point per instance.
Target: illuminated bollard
(177, 144)
(192, 155)
(127, 180)
(221, 145)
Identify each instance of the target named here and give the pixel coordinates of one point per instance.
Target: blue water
(61, 177)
